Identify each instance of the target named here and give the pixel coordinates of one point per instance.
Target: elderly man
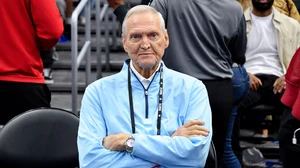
(146, 115)
(206, 38)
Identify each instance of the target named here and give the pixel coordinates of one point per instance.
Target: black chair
(44, 137)
(211, 161)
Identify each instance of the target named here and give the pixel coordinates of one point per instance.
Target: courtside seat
(44, 137)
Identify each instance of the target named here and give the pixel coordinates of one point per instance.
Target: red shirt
(291, 96)
(27, 26)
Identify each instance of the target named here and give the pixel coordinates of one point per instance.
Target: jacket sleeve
(92, 130)
(121, 12)
(47, 22)
(296, 107)
(179, 151)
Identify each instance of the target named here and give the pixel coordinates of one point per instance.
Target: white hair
(142, 9)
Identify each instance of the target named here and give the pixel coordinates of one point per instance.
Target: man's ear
(124, 43)
(166, 39)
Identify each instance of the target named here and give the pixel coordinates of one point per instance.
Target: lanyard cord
(160, 97)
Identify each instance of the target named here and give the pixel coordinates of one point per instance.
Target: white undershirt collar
(143, 80)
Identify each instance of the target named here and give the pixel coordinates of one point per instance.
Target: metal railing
(100, 14)
(86, 49)
(84, 52)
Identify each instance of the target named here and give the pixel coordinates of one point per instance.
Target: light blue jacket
(105, 111)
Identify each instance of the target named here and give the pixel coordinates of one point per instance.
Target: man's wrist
(129, 144)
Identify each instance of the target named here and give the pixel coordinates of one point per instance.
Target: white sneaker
(47, 72)
(82, 20)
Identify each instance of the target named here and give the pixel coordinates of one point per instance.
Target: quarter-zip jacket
(291, 96)
(287, 32)
(105, 111)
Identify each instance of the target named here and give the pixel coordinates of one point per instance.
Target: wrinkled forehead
(142, 16)
(143, 20)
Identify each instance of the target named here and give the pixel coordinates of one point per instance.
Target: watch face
(130, 142)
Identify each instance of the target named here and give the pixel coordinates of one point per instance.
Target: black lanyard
(160, 97)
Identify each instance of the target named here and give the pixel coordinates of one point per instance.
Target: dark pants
(17, 97)
(289, 152)
(264, 95)
(47, 58)
(220, 99)
(240, 83)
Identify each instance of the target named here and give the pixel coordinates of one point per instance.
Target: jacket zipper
(146, 96)
(146, 102)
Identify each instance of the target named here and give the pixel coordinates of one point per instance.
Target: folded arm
(179, 151)
(187, 147)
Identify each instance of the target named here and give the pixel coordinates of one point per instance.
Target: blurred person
(120, 9)
(272, 40)
(204, 47)
(36, 26)
(147, 115)
(50, 56)
(290, 121)
(287, 7)
(82, 19)
(66, 8)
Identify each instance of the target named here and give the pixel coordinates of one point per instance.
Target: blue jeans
(240, 83)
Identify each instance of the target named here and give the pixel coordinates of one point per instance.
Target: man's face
(144, 40)
(262, 5)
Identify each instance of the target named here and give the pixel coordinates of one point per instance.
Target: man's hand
(279, 85)
(191, 129)
(115, 142)
(115, 3)
(255, 82)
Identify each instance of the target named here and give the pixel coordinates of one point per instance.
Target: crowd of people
(164, 107)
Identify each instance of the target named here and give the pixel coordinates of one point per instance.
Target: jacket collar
(277, 15)
(134, 80)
